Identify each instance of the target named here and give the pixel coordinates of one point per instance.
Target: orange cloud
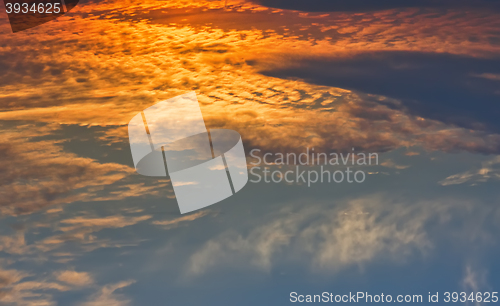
(89, 78)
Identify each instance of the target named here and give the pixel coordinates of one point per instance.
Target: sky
(416, 82)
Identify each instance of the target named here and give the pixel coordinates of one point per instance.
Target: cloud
(26, 289)
(392, 164)
(95, 71)
(69, 238)
(79, 230)
(54, 210)
(74, 278)
(107, 296)
(352, 233)
(329, 237)
(79, 236)
(96, 224)
(490, 170)
(15, 290)
(430, 85)
(167, 224)
(8, 277)
(475, 280)
(163, 60)
(36, 174)
(15, 244)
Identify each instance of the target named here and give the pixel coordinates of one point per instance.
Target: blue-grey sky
(416, 83)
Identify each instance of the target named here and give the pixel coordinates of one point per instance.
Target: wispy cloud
(490, 170)
(475, 280)
(331, 237)
(177, 221)
(353, 233)
(107, 296)
(22, 288)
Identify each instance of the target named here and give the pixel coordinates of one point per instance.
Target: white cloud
(330, 237)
